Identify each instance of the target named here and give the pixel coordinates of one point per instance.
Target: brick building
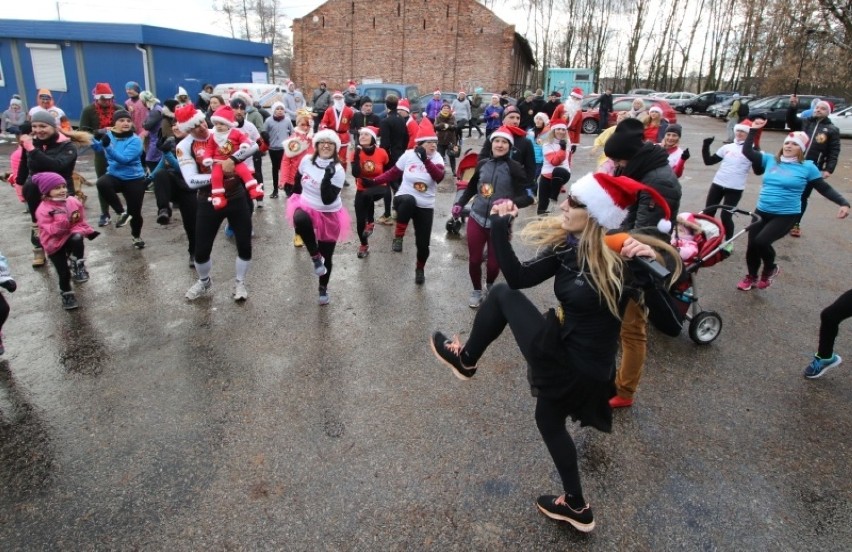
(449, 44)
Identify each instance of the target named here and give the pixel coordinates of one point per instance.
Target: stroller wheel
(705, 327)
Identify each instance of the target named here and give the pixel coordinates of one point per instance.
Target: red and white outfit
(676, 161)
(221, 146)
(571, 112)
(554, 155)
(338, 118)
(296, 147)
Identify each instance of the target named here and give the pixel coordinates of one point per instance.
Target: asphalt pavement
(144, 421)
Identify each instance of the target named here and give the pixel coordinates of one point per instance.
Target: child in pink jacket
(62, 226)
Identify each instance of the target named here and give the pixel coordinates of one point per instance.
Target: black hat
(676, 128)
(626, 141)
(120, 114)
(238, 103)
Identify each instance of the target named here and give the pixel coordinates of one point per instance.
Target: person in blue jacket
(125, 175)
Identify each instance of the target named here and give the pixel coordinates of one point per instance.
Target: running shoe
(163, 216)
(555, 507)
(396, 245)
(449, 351)
(69, 300)
(297, 241)
(324, 298)
(240, 291)
(199, 288)
(419, 276)
(104, 221)
(475, 298)
(363, 251)
(767, 276)
(319, 265)
(820, 366)
(138, 243)
(368, 230)
(123, 219)
(796, 231)
(747, 283)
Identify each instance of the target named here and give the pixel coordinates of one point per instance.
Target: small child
(223, 142)
(7, 282)
(62, 226)
(685, 238)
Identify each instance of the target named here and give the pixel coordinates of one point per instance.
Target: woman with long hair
(571, 349)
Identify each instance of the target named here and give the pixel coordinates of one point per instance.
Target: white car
(843, 120)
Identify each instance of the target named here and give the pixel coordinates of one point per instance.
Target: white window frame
(48, 66)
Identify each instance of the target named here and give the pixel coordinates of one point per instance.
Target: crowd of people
(206, 160)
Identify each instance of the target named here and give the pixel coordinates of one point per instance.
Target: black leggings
(365, 212)
(719, 195)
(275, 157)
(547, 192)
(502, 306)
(4, 311)
(443, 151)
(134, 192)
(258, 167)
(73, 247)
(207, 223)
(761, 236)
(304, 226)
(169, 187)
(830, 319)
(806, 194)
(408, 211)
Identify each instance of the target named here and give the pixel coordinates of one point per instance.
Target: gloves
(105, 140)
(708, 141)
(573, 148)
(421, 153)
(329, 171)
(93, 235)
(685, 155)
(10, 285)
(456, 211)
(166, 145)
(219, 201)
(563, 144)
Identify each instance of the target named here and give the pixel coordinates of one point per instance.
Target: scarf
(104, 114)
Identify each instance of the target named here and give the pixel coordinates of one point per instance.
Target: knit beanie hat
(626, 140)
(509, 110)
(676, 128)
(133, 85)
(47, 181)
(608, 199)
(16, 101)
(120, 114)
(44, 116)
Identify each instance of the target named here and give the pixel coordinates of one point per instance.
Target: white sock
(242, 269)
(203, 269)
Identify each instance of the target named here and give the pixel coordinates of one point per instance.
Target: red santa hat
(558, 125)
(224, 115)
(744, 125)
(608, 198)
(371, 130)
(577, 93)
(327, 134)
(425, 131)
(102, 90)
(437, 92)
(656, 109)
(337, 94)
(188, 117)
(503, 132)
(799, 138)
(404, 105)
(352, 83)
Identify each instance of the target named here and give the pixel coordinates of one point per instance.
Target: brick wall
(446, 44)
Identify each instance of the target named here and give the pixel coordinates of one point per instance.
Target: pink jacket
(14, 163)
(54, 223)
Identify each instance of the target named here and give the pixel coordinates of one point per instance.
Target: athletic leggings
(365, 212)
(169, 187)
(408, 211)
(275, 157)
(761, 236)
(504, 305)
(207, 223)
(258, 167)
(444, 151)
(547, 192)
(74, 247)
(134, 192)
(830, 319)
(4, 311)
(477, 238)
(719, 195)
(304, 226)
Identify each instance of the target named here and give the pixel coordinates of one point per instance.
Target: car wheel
(688, 110)
(590, 126)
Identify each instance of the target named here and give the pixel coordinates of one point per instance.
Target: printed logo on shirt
(486, 190)
(294, 146)
(420, 187)
(369, 166)
(226, 149)
(821, 138)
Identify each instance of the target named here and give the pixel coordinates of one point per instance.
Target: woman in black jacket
(570, 351)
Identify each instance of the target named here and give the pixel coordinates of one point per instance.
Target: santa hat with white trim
(503, 132)
(577, 93)
(225, 116)
(608, 199)
(426, 131)
(744, 126)
(187, 117)
(404, 105)
(799, 138)
(371, 130)
(327, 134)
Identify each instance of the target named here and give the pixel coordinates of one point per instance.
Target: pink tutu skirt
(335, 226)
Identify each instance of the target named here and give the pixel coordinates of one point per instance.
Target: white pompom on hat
(799, 138)
(327, 134)
(608, 199)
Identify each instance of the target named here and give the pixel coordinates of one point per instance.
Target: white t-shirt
(734, 167)
(416, 180)
(312, 176)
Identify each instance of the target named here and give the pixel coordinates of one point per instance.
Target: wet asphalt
(143, 421)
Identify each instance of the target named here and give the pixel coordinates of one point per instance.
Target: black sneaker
(419, 276)
(79, 272)
(555, 507)
(274, 194)
(448, 351)
(123, 219)
(396, 245)
(69, 300)
(138, 243)
(163, 216)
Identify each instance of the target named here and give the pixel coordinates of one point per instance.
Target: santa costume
(338, 118)
(220, 146)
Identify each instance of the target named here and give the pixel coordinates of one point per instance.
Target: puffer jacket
(651, 167)
(56, 154)
(824, 146)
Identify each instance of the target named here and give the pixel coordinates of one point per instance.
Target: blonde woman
(571, 349)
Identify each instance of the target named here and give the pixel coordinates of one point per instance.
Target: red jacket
(341, 125)
(412, 127)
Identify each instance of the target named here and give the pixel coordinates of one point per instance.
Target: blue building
(69, 58)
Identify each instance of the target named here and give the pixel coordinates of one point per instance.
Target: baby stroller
(464, 172)
(704, 325)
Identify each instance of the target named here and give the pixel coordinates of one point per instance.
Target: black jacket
(360, 120)
(51, 155)
(528, 111)
(606, 102)
(824, 146)
(651, 167)
(394, 136)
(522, 152)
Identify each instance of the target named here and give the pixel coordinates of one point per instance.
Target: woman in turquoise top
(785, 176)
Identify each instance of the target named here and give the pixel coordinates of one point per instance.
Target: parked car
(720, 110)
(843, 120)
(701, 102)
(774, 108)
(379, 91)
(591, 117)
(675, 98)
(641, 91)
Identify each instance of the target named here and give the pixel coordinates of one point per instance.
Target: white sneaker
(475, 298)
(240, 291)
(198, 289)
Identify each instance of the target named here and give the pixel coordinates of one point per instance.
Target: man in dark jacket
(527, 109)
(522, 150)
(552, 103)
(823, 147)
(363, 118)
(648, 164)
(320, 101)
(351, 97)
(604, 109)
(394, 136)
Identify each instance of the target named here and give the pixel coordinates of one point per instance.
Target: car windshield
(412, 92)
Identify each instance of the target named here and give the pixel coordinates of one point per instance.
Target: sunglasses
(574, 204)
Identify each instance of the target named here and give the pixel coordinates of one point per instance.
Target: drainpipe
(145, 72)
